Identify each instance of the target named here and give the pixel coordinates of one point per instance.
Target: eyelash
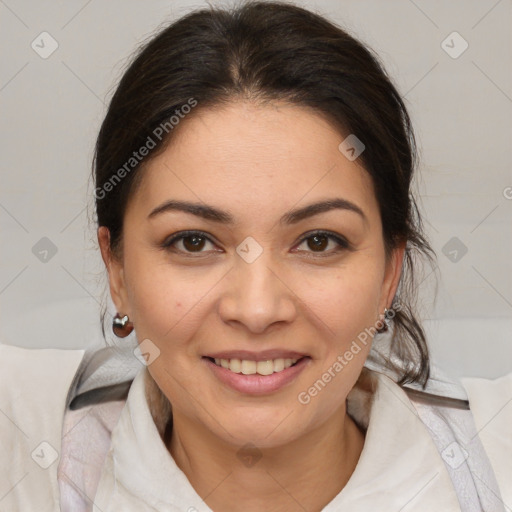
(342, 243)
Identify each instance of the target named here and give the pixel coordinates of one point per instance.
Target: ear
(115, 272)
(392, 277)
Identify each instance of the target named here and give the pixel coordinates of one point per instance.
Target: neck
(305, 474)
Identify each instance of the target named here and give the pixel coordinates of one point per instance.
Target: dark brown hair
(265, 51)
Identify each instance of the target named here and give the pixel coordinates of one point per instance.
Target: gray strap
(454, 433)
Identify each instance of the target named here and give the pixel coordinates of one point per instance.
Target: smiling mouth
(249, 367)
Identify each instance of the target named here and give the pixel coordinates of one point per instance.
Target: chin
(263, 427)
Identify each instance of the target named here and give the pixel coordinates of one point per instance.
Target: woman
(255, 216)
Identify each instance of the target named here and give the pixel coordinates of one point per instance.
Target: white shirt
(400, 467)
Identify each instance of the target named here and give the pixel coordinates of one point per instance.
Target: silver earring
(385, 323)
(121, 326)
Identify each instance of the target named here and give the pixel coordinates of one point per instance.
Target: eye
(191, 242)
(319, 240)
(194, 241)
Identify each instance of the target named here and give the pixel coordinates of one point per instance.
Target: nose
(258, 296)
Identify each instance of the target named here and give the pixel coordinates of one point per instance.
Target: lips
(244, 379)
(264, 355)
(249, 367)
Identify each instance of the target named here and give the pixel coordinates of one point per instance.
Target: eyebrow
(223, 217)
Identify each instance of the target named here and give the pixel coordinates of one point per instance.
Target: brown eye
(318, 241)
(193, 243)
(187, 242)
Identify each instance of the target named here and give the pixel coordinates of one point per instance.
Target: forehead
(255, 159)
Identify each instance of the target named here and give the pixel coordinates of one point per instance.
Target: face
(254, 275)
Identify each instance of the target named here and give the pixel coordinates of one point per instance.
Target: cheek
(344, 307)
(165, 311)
(167, 301)
(345, 302)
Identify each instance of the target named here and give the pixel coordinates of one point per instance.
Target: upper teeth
(248, 367)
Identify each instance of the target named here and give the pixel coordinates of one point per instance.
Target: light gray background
(51, 110)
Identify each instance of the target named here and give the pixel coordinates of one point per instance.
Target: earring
(121, 326)
(385, 324)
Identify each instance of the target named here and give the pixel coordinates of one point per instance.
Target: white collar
(399, 468)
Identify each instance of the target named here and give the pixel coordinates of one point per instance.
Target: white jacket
(421, 453)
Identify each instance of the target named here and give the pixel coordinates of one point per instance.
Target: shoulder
(35, 372)
(478, 388)
(34, 385)
(35, 381)
(490, 401)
